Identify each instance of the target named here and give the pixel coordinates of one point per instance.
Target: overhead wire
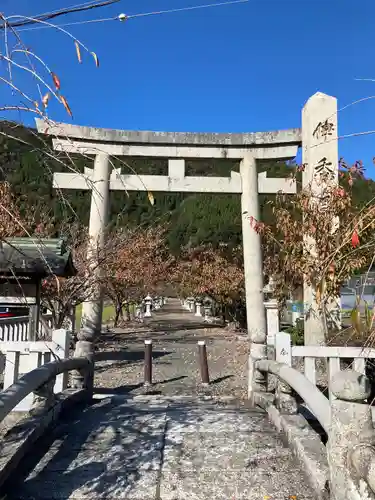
(193, 7)
(62, 12)
(85, 4)
(125, 17)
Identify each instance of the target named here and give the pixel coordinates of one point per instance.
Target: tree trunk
(127, 309)
(54, 318)
(60, 321)
(118, 309)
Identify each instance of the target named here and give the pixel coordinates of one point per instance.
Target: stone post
(148, 303)
(320, 161)
(273, 328)
(148, 363)
(284, 400)
(351, 436)
(273, 324)
(92, 310)
(253, 269)
(203, 363)
(198, 305)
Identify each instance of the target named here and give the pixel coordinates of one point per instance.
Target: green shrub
(297, 333)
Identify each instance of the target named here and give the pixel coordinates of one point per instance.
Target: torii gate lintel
(175, 181)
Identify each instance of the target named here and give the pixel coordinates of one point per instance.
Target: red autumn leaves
(338, 236)
(217, 272)
(256, 225)
(57, 83)
(338, 192)
(355, 239)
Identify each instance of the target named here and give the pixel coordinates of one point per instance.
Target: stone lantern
(148, 304)
(191, 304)
(272, 312)
(198, 306)
(269, 289)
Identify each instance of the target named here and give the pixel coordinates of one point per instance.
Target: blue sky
(238, 68)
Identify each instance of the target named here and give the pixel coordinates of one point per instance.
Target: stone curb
(186, 398)
(150, 398)
(305, 444)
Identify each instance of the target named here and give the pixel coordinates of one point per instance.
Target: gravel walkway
(175, 333)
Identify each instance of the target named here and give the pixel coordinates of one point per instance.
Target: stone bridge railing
(47, 406)
(344, 469)
(18, 358)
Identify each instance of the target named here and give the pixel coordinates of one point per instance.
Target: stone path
(166, 446)
(155, 448)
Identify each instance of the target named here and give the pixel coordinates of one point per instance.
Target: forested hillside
(28, 165)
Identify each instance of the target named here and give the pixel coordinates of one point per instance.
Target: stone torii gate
(247, 148)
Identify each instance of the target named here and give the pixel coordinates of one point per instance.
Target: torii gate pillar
(253, 266)
(92, 310)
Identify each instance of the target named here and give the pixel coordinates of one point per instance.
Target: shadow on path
(128, 388)
(220, 379)
(168, 326)
(126, 355)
